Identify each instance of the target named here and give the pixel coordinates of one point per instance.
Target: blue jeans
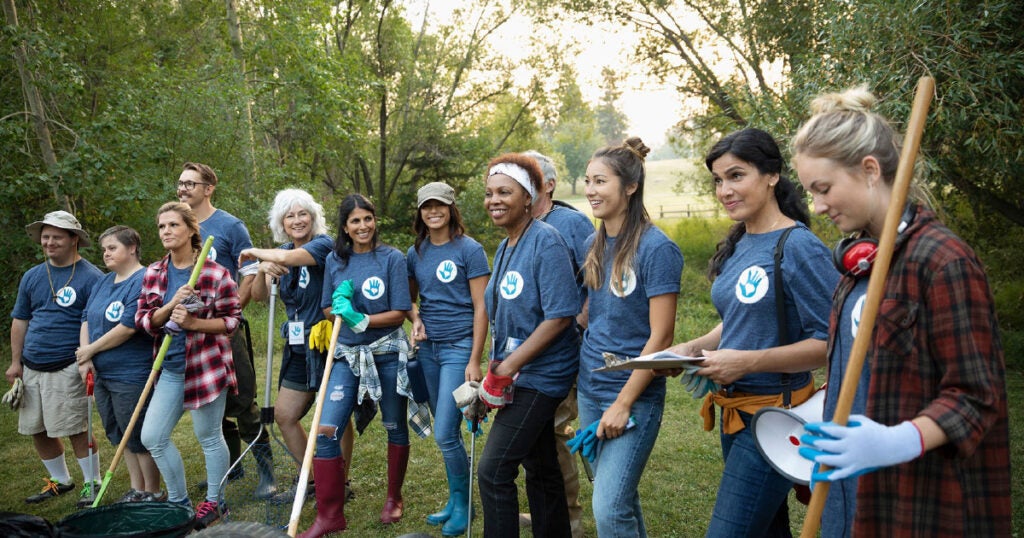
(751, 495)
(619, 464)
(165, 410)
(341, 400)
(444, 367)
(523, 432)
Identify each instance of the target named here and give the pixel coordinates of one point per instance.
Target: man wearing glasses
(196, 186)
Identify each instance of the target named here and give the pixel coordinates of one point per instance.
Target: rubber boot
(398, 461)
(459, 500)
(330, 497)
(438, 518)
(265, 465)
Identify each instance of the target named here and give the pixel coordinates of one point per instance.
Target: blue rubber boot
(438, 518)
(458, 499)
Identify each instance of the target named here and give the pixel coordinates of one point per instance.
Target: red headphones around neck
(854, 256)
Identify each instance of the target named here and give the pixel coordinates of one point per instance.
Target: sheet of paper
(660, 360)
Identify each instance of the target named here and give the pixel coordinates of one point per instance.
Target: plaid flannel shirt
(936, 352)
(209, 368)
(360, 359)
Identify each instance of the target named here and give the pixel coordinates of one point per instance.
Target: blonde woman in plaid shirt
(198, 371)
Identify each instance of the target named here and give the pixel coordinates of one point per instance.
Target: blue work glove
(479, 425)
(697, 385)
(341, 305)
(585, 441)
(861, 446)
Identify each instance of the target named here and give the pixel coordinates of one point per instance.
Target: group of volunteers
(926, 451)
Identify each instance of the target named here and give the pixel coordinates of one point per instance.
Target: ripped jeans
(340, 401)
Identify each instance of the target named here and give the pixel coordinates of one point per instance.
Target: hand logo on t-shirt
(628, 284)
(114, 311)
(303, 277)
(212, 256)
(511, 285)
(446, 271)
(858, 310)
(373, 288)
(752, 285)
(66, 296)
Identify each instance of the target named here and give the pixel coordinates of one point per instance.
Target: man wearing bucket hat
(45, 326)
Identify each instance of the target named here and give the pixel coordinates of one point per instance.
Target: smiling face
(116, 255)
(741, 188)
(844, 195)
(435, 214)
(199, 192)
(174, 234)
(59, 245)
(360, 226)
(506, 201)
(608, 199)
(298, 224)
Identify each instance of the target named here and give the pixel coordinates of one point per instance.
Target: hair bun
(857, 99)
(637, 146)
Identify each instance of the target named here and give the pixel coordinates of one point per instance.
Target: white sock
(90, 467)
(58, 469)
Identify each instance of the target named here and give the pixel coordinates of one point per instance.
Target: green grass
(678, 487)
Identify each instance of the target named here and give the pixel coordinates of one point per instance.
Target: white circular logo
(628, 284)
(855, 315)
(66, 296)
(511, 285)
(446, 271)
(373, 288)
(752, 285)
(212, 256)
(114, 311)
(303, 277)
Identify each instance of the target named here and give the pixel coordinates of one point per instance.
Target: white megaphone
(777, 433)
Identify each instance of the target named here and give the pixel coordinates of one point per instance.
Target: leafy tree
(611, 121)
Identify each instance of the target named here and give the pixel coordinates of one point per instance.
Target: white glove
(12, 397)
(861, 446)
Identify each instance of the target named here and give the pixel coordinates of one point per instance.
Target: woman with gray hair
(297, 221)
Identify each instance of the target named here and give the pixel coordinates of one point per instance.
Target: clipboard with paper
(661, 360)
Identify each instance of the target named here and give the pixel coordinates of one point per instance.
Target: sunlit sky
(651, 108)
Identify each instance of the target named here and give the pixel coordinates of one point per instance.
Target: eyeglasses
(190, 185)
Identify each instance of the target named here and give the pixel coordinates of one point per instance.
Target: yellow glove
(320, 335)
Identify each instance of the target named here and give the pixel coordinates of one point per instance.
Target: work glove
(697, 385)
(192, 304)
(467, 398)
(861, 446)
(494, 388)
(479, 424)
(320, 336)
(585, 441)
(341, 305)
(12, 397)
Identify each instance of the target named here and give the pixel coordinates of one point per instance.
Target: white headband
(515, 172)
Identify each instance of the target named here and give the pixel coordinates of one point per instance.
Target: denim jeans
(751, 495)
(341, 400)
(620, 463)
(165, 410)
(523, 433)
(444, 367)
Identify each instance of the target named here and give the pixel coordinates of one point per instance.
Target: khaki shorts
(54, 403)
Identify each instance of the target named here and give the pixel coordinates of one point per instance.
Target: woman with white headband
(533, 355)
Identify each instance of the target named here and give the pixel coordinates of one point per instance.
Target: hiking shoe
(51, 489)
(88, 494)
(132, 496)
(158, 497)
(209, 511)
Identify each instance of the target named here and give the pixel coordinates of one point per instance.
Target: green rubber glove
(341, 305)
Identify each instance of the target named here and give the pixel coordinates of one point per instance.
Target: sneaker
(132, 496)
(158, 497)
(209, 511)
(88, 494)
(51, 489)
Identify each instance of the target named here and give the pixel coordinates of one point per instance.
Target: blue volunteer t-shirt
(53, 306)
(574, 227)
(302, 287)
(442, 274)
(112, 304)
(381, 284)
(841, 503)
(230, 238)
(620, 323)
(528, 287)
(174, 360)
(744, 295)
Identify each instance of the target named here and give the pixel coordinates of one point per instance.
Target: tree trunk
(235, 30)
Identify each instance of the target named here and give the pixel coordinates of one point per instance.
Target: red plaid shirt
(936, 352)
(209, 368)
